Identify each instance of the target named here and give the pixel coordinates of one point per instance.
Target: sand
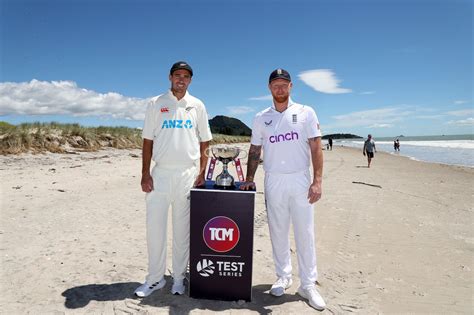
(72, 238)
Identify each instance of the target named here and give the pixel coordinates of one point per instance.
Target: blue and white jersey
(176, 128)
(284, 137)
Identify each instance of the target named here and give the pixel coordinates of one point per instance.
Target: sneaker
(178, 287)
(146, 289)
(313, 297)
(279, 287)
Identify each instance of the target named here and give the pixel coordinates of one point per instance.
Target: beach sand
(395, 238)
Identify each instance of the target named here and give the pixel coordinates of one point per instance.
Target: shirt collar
(171, 96)
(290, 103)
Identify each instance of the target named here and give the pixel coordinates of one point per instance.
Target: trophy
(225, 155)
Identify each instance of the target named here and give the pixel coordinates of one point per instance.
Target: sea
(445, 149)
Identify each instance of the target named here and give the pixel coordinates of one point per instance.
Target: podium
(221, 243)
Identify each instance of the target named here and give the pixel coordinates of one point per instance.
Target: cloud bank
(261, 98)
(463, 122)
(239, 110)
(323, 80)
(66, 98)
(374, 118)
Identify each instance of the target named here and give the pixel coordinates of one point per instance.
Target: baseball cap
(279, 74)
(181, 65)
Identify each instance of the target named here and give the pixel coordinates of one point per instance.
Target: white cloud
(261, 98)
(381, 126)
(462, 112)
(459, 102)
(430, 116)
(464, 122)
(239, 110)
(322, 80)
(367, 93)
(66, 98)
(374, 118)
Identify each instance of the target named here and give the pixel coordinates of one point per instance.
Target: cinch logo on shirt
(177, 123)
(289, 136)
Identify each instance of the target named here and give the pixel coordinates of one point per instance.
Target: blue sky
(382, 67)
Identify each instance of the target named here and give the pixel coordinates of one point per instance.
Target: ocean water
(452, 149)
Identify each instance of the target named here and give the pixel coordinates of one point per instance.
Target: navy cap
(279, 74)
(181, 65)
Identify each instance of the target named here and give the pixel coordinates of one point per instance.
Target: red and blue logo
(221, 234)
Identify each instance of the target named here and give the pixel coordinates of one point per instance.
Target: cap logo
(182, 64)
(279, 71)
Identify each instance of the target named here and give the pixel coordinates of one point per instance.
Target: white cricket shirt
(176, 128)
(284, 137)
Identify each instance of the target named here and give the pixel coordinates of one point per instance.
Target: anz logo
(177, 123)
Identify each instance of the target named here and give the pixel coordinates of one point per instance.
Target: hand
(314, 192)
(247, 186)
(200, 181)
(147, 183)
(363, 153)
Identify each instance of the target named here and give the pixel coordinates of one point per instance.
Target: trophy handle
(243, 157)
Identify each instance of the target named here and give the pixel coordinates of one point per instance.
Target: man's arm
(147, 151)
(200, 179)
(315, 189)
(363, 149)
(252, 165)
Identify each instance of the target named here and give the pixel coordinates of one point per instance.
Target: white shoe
(148, 288)
(313, 297)
(279, 287)
(178, 287)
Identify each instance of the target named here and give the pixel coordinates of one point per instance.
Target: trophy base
(232, 187)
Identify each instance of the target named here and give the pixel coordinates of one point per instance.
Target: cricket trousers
(287, 202)
(171, 188)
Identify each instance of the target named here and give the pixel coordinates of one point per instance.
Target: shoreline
(406, 157)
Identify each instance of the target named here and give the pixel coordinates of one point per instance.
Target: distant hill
(229, 126)
(341, 136)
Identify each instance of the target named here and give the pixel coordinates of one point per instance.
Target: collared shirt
(176, 128)
(284, 137)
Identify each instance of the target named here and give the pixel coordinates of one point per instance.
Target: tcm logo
(289, 136)
(221, 234)
(177, 123)
(205, 267)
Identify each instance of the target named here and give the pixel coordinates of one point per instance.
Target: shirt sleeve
(312, 124)
(203, 128)
(256, 138)
(149, 124)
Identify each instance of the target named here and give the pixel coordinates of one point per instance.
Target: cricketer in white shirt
(176, 135)
(290, 137)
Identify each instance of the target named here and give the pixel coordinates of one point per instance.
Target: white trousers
(171, 187)
(286, 200)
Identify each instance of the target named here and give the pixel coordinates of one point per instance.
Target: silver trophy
(225, 154)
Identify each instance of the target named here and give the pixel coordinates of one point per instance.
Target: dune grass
(62, 138)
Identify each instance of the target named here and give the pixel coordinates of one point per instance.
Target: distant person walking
(330, 143)
(396, 145)
(369, 149)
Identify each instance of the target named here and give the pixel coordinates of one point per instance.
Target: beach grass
(63, 138)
